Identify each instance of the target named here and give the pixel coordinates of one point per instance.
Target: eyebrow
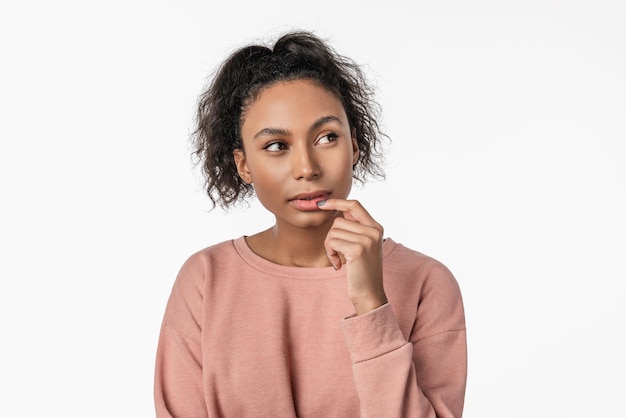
(324, 120)
(271, 132)
(284, 132)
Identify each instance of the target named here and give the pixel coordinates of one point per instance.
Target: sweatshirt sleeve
(423, 376)
(178, 389)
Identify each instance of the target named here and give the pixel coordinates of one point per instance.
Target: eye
(328, 138)
(275, 147)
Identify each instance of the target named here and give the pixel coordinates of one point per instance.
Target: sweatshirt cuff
(373, 334)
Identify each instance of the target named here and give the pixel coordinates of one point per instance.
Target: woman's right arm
(178, 388)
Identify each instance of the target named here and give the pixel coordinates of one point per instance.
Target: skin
(298, 152)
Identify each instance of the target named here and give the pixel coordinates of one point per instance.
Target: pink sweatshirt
(244, 337)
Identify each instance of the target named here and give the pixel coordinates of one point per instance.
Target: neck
(288, 246)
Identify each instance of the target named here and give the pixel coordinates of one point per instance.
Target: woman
(319, 315)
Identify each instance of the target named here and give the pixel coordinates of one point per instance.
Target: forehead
(291, 103)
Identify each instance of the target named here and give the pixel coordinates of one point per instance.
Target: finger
(351, 245)
(354, 227)
(352, 210)
(336, 260)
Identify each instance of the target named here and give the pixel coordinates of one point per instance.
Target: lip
(311, 195)
(308, 201)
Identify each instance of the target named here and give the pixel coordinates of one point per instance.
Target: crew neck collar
(317, 273)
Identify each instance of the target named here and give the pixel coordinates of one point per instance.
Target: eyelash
(332, 137)
(281, 144)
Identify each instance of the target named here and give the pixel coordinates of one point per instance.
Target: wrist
(365, 304)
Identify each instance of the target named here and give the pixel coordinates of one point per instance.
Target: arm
(178, 389)
(422, 377)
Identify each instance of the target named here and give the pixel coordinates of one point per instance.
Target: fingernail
(321, 202)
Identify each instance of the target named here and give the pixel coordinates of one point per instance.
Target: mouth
(308, 201)
(317, 195)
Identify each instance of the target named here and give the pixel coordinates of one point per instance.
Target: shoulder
(400, 258)
(221, 250)
(425, 286)
(424, 271)
(205, 262)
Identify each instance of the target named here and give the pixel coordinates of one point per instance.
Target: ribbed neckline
(311, 273)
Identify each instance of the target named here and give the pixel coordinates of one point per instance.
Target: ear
(355, 148)
(242, 167)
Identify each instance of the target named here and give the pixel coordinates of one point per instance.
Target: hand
(356, 240)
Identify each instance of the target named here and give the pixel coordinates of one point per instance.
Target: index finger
(353, 208)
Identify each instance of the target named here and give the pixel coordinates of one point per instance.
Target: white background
(507, 163)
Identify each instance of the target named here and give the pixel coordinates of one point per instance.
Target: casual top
(245, 337)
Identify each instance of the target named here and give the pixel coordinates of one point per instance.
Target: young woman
(319, 315)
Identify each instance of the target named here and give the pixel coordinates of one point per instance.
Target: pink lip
(308, 201)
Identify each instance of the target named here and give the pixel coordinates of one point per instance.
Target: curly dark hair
(238, 81)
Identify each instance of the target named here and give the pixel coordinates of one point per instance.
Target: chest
(276, 348)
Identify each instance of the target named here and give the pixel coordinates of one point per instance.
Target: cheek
(266, 176)
(347, 162)
(341, 170)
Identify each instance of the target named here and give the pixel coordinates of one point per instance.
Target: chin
(311, 220)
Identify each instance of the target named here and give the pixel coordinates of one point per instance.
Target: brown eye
(328, 138)
(275, 147)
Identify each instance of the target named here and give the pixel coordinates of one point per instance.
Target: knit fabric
(244, 337)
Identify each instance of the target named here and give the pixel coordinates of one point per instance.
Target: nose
(304, 164)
